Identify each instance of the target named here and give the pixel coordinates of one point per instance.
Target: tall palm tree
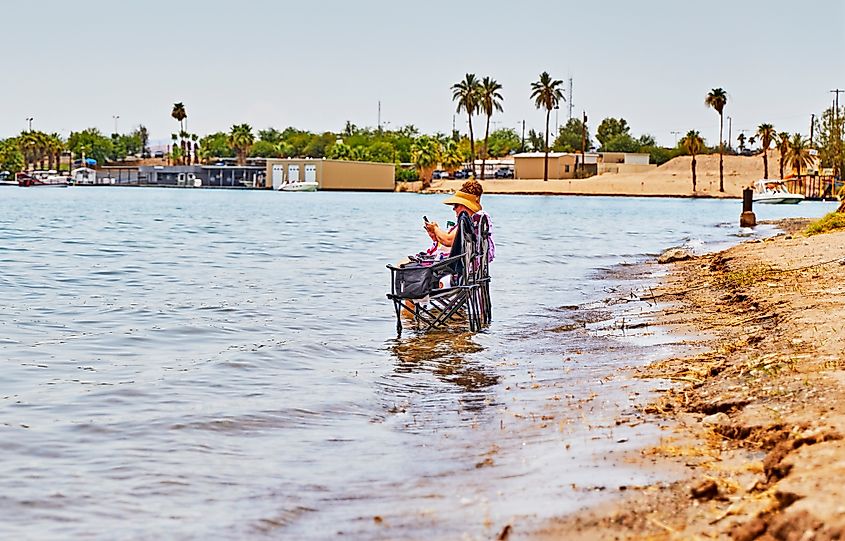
(490, 100)
(717, 99)
(240, 140)
(546, 95)
(798, 153)
(741, 139)
(766, 133)
(693, 144)
(783, 148)
(466, 94)
(425, 153)
(179, 114)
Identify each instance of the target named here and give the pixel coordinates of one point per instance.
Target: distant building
(531, 165)
(331, 174)
(220, 176)
(624, 162)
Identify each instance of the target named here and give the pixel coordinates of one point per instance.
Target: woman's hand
(431, 228)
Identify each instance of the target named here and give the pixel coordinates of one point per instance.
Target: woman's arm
(445, 238)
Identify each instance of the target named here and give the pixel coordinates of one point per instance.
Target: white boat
(774, 192)
(301, 186)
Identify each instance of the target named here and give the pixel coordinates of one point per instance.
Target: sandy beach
(757, 407)
(672, 179)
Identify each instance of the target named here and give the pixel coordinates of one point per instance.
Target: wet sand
(757, 406)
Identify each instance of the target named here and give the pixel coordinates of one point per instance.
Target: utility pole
(379, 115)
(570, 98)
(730, 125)
(29, 120)
(583, 140)
(836, 165)
(812, 123)
(522, 147)
(675, 133)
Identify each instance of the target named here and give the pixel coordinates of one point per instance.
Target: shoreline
(758, 412)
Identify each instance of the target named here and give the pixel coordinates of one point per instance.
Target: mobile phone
(425, 219)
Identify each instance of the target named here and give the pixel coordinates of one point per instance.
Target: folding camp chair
(415, 286)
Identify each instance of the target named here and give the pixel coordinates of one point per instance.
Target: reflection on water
(198, 364)
(447, 355)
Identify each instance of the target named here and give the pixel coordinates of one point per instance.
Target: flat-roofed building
(530, 165)
(331, 174)
(625, 162)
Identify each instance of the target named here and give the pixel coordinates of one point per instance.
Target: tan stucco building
(332, 174)
(530, 165)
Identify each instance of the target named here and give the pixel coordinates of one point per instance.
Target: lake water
(198, 364)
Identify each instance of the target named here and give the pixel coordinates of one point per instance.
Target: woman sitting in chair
(467, 199)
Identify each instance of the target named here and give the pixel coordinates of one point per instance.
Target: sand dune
(673, 179)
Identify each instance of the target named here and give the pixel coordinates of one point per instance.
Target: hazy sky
(314, 65)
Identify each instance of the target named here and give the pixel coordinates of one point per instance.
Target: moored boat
(40, 179)
(302, 186)
(774, 192)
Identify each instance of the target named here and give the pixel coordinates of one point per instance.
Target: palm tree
(425, 153)
(717, 99)
(489, 100)
(798, 153)
(766, 133)
(783, 148)
(466, 93)
(179, 114)
(54, 148)
(546, 95)
(240, 140)
(741, 139)
(693, 144)
(451, 157)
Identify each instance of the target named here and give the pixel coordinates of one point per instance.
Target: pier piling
(747, 218)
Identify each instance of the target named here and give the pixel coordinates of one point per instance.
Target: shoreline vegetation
(417, 155)
(757, 406)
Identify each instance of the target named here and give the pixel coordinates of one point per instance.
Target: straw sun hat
(468, 200)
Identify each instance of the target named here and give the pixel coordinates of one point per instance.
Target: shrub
(829, 222)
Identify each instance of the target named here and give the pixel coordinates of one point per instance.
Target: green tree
(466, 93)
(829, 140)
(54, 146)
(90, 143)
(264, 149)
(766, 133)
(339, 151)
(693, 144)
(535, 140)
(215, 145)
(741, 140)
(451, 158)
(783, 149)
(622, 142)
(271, 135)
(547, 95)
(11, 157)
(382, 151)
(798, 153)
(503, 141)
(360, 153)
(180, 114)
(717, 99)
(241, 140)
(426, 155)
(611, 128)
(490, 101)
(569, 137)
